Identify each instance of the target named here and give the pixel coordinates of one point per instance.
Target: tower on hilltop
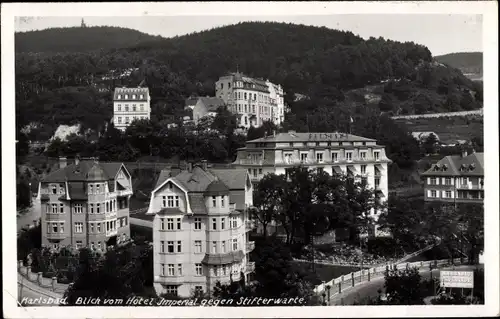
(83, 24)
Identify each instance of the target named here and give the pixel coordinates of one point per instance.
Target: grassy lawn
(323, 272)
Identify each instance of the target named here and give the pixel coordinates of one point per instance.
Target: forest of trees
(60, 87)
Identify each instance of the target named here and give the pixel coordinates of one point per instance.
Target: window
(234, 222)
(197, 247)
(376, 155)
(222, 201)
(170, 270)
(214, 271)
(197, 223)
(119, 120)
(172, 201)
(199, 269)
(178, 223)
(134, 108)
(179, 269)
(55, 229)
(61, 189)
(348, 156)
(179, 246)
(335, 157)
(319, 157)
(222, 223)
(162, 246)
(98, 227)
(362, 155)
(433, 193)
(223, 246)
(214, 223)
(162, 269)
(77, 208)
(98, 208)
(214, 247)
(61, 208)
(363, 169)
(319, 170)
(377, 182)
(142, 107)
(447, 181)
(260, 173)
(127, 119)
(78, 244)
(98, 189)
(119, 96)
(170, 247)
(126, 96)
(433, 181)
(171, 290)
(303, 157)
(92, 245)
(54, 189)
(78, 227)
(98, 245)
(141, 96)
(61, 226)
(235, 244)
(91, 208)
(245, 95)
(448, 194)
(162, 223)
(170, 224)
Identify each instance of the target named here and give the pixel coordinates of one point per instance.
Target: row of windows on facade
(244, 108)
(253, 97)
(448, 181)
(218, 223)
(54, 227)
(127, 108)
(174, 247)
(217, 270)
(172, 201)
(93, 188)
(134, 96)
(94, 245)
(304, 157)
(308, 144)
(127, 119)
(450, 194)
(92, 208)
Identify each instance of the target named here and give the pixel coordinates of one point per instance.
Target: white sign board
(456, 279)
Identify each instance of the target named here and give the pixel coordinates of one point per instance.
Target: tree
(403, 287)
(267, 199)
(430, 143)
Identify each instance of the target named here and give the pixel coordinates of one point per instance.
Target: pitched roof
(234, 178)
(119, 94)
(217, 187)
(456, 165)
(191, 102)
(222, 259)
(212, 103)
(312, 137)
(79, 172)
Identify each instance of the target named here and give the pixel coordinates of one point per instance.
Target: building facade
(330, 152)
(206, 106)
(253, 100)
(85, 204)
(456, 179)
(130, 104)
(200, 229)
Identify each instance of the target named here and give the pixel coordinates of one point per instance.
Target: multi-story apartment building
(130, 104)
(200, 228)
(330, 152)
(456, 179)
(253, 100)
(85, 204)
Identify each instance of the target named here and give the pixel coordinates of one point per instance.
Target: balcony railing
(111, 233)
(56, 235)
(250, 266)
(296, 161)
(251, 162)
(124, 192)
(250, 246)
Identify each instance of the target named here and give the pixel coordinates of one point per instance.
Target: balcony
(251, 162)
(56, 235)
(169, 279)
(250, 266)
(124, 192)
(250, 246)
(111, 233)
(464, 186)
(249, 225)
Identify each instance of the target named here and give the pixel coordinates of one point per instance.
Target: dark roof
(130, 92)
(223, 259)
(232, 177)
(216, 188)
(77, 190)
(191, 101)
(312, 137)
(212, 103)
(79, 172)
(456, 165)
(96, 173)
(197, 203)
(166, 211)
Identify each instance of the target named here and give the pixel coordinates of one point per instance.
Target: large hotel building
(130, 104)
(200, 229)
(253, 100)
(456, 179)
(331, 152)
(85, 204)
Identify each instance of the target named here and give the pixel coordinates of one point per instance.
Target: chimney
(77, 159)
(190, 167)
(464, 153)
(274, 133)
(63, 161)
(204, 164)
(174, 171)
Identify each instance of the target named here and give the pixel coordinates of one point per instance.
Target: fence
(342, 283)
(461, 113)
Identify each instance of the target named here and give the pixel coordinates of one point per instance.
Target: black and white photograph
(289, 158)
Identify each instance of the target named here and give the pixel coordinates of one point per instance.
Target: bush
(382, 246)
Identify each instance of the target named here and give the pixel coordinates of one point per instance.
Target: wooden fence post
(368, 274)
(352, 278)
(340, 287)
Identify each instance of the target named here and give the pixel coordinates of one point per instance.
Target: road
(370, 289)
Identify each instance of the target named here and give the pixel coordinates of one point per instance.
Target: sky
(441, 33)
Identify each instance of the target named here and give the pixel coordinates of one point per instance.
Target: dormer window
(133, 96)
(126, 96)
(141, 96)
(119, 96)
